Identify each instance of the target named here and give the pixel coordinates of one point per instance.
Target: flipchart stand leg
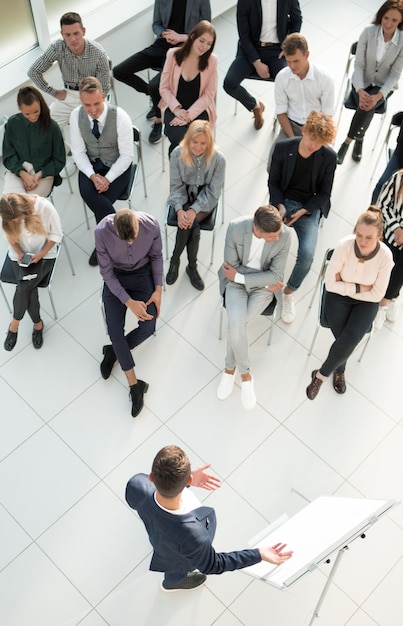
(327, 585)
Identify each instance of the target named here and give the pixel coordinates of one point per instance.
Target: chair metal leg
(86, 215)
(212, 248)
(51, 301)
(163, 149)
(5, 298)
(365, 347)
(67, 251)
(270, 334)
(166, 242)
(314, 339)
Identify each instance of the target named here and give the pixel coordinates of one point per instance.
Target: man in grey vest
(102, 147)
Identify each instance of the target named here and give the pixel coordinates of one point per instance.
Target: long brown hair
(15, 208)
(388, 6)
(197, 31)
(29, 95)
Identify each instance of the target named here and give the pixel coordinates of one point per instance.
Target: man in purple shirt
(129, 252)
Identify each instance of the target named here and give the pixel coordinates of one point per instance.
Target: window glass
(56, 8)
(17, 34)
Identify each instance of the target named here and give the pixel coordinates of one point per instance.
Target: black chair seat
(126, 193)
(206, 224)
(350, 104)
(269, 310)
(8, 275)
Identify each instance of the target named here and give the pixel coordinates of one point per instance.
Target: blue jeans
(390, 169)
(241, 68)
(306, 228)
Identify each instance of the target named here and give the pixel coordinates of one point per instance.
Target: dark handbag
(30, 272)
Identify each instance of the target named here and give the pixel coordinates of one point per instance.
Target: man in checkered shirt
(77, 58)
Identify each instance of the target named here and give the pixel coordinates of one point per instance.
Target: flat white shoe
(226, 386)
(288, 308)
(248, 396)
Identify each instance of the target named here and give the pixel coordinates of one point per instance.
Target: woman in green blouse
(33, 147)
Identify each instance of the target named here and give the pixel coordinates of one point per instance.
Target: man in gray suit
(172, 21)
(255, 255)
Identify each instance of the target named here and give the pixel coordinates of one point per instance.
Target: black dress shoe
(153, 112)
(195, 278)
(10, 341)
(357, 151)
(339, 382)
(172, 274)
(313, 388)
(155, 135)
(108, 362)
(37, 338)
(136, 393)
(93, 260)
(342, 152)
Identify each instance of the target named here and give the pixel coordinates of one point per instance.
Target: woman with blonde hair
(32, 227)
(356, 280)
(197, 171)
(33, 148)
(189, 83)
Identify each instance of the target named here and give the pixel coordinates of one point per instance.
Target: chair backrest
(322, 290)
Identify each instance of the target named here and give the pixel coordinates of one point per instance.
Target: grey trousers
(242, 307)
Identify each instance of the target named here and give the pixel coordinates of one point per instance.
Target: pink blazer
(208, 87)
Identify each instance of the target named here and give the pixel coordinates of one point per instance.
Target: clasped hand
(186, 218)
(100, 183)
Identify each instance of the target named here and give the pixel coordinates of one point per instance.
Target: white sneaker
(380, 318)
(288, 308)
(69, 168)
(248, 396)
(226, 386)
(392, 311)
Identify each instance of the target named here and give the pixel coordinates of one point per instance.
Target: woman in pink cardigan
(189, 83)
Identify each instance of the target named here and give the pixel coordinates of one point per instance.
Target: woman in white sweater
(356, 280)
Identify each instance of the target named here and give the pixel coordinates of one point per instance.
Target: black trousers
(101, 204)
(26, 297)
(349, 320)
(140, 286)
(151, 57)
(396, 276)
(361, 119)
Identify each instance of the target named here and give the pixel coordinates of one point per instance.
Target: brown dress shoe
(258, 115)
(339, 382)
(313, 388)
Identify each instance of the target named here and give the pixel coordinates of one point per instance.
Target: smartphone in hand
(26, 260)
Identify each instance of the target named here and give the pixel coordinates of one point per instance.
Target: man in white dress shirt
(102, 147)
(300, 88)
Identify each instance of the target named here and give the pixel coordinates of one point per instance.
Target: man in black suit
(300, 183)
(262, 26)
(180, 529)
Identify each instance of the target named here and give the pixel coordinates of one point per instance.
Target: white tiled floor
(72, 552)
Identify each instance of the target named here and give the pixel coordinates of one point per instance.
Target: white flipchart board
(321, 528)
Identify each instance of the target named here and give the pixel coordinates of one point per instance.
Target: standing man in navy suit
(180, 530)
(300, 183)
(262, 26)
